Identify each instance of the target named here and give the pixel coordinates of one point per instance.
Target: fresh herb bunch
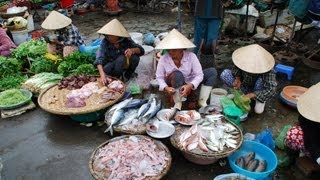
(12, 81)
(41, 64)
(85, 69)
(9, 66)
(70, 63)
(11, 96)
(31, 49)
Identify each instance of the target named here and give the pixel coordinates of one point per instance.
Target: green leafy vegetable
(12, 81)
(41, 64)
(85, 69)
(11, 97)
(9, 66)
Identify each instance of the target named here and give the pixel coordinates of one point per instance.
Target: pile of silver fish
(132, 112)
(210, 134)
(249, 163)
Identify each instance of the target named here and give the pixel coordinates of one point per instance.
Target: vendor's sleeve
(269, 86)
(161, 75)
(197, 72)
(100, 56)
(132, 44)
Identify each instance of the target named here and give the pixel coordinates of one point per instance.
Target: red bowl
(292, 93)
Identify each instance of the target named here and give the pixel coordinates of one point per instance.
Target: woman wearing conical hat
(118, 55)
(253, 74)
(304, 137)
(63, 37)
(179, 72)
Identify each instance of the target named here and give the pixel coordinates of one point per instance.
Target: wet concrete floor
(40, 145)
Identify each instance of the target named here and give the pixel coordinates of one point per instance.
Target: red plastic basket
(66, 3)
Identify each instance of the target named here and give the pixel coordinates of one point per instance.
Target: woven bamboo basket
(93, 103)
(159, 144)
(199, 157)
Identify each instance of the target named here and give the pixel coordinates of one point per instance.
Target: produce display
(130, 157)
(11, 97)
(12, 81)
(249, 163)
(41, 81)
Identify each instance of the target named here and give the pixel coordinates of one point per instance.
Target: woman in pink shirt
(6, 44)
(179, 71)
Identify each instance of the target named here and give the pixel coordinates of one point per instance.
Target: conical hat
(253, 59)
(309, 102)
(56, 20)
(175, 40)
(114, 28)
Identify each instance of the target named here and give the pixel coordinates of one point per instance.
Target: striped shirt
(248, 80)
(70, 36)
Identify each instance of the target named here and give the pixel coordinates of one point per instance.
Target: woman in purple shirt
(179, 72)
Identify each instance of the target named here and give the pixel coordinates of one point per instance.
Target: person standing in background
(208, 16)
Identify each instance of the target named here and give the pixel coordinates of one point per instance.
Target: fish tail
(111, 131)
(108, 129)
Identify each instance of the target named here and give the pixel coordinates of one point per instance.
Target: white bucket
(216, 94)
(136, 37)
(19, 36)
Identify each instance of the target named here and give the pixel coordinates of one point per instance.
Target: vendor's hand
(237, 83)
(185, 90)
(103, 79)
(129, 52)
(169, 90)
(250, 95)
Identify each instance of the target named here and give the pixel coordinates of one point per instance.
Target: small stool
(285, 69)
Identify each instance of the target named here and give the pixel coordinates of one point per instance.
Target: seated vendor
(6, 44)
(118, 55)
(303, 137)
(63, 37)
(179, 71)
(253, 74)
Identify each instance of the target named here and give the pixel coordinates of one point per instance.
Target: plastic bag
(133, 87)
(265, 138)
(242, 102)
(225, 102)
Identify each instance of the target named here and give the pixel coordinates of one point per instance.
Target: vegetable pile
(11, 97)
(41, 81)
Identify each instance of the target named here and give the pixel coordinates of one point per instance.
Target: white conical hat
(309, 102)
(253, 59)
(56, 20)
(175, 40)
(114, 28)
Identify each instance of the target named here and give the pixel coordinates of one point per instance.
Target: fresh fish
(252, 164)
(153, 126)
(158, 107)
(202, 146)
(210, 109)
(212, 147)
(143, 109)
(249, 157)
(129, 117)
(152, 108)
(118, 114)
(120, 105)
(240, 162)
(262, 166)
(192, 146)
(166, 114)
(135, 103)
(231, 143)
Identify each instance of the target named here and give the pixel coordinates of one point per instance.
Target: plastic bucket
(216, 94)
(136, 37)
(19, 36)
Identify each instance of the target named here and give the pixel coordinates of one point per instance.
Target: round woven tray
(159, 144)
(197, 153)
(141, 129)
(92, 103)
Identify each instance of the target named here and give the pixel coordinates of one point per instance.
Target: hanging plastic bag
(242, 102)
(133, 87)
(265, 138)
